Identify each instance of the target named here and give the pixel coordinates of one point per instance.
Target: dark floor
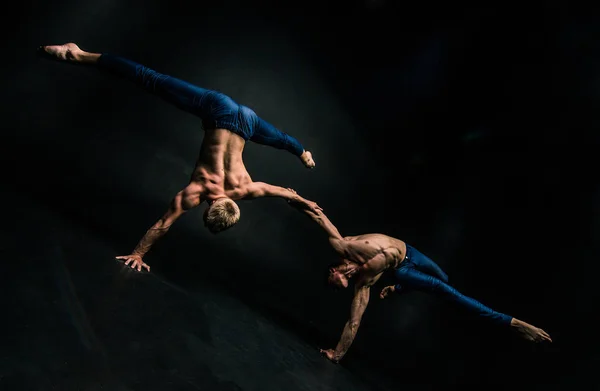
(77, 320)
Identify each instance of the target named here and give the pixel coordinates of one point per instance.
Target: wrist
(337, 356)
(295, 198)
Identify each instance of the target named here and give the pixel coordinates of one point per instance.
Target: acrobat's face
(337, 279)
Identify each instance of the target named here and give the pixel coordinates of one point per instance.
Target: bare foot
(67, 52)
(529, 332)
(307, 159)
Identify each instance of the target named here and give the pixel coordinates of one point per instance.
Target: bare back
(375, 253)
(220, 169)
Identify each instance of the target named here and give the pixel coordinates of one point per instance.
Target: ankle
(86, 57)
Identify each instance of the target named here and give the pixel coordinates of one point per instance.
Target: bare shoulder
(191, 195)
(193, 188)
(238, 193)
(241, 189)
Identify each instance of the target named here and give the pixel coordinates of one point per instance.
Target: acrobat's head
(339, 274)
(221, 214)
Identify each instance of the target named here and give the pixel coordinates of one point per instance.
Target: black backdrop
(469, 132)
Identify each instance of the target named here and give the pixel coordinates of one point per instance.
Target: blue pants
(216, 110)
(418, 272)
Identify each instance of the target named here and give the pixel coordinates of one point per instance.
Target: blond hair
(221, 215)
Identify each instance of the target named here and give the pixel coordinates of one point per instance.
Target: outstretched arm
(177, 207)
(359, 251)
(324, 222)
(336, 240)
(262, 189)
(359, 305)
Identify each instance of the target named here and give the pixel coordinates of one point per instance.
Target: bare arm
(159, 228)
(358, 251)
(335, 238)
(321, 219)
(359, 305)
(177, 207)
(262, 189)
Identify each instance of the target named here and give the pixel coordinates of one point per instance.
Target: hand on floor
(330, 354)
(135, 260)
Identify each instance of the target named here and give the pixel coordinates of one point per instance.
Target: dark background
(469, 132)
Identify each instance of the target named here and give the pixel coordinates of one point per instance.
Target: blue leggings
(418, 272)
(216, 109)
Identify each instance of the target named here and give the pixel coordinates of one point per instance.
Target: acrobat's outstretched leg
(180, 93)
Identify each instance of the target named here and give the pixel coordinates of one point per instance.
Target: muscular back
(375, 253)
(220, 168)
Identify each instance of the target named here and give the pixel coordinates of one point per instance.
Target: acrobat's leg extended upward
(216, 109)
(418, 272)
(182, 94)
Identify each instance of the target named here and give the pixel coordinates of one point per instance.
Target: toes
(43, 53)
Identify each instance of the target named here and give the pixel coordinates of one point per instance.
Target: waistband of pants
(231, 126)
(407, 257)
